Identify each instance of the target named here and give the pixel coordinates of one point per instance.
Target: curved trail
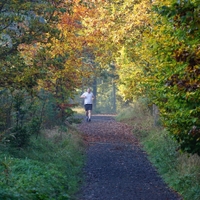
(116, 167)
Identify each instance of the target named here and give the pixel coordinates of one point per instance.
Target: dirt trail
(116, 167)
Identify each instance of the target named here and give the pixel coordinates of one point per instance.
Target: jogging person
(88, 98)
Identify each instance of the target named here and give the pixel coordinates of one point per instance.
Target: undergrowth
(47, 169)
(181, 171)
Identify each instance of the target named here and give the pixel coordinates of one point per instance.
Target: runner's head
(88, 90)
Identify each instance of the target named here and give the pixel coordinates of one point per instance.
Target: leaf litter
(116, 166)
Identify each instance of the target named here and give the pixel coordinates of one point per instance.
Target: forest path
(117, 168)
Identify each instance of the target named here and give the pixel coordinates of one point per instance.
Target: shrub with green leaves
(173, 73)
(47, 169)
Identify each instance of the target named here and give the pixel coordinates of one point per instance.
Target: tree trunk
(114, 96)
(95, 92)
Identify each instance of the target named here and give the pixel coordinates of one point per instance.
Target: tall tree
(25, 23)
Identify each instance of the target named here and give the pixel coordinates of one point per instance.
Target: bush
(47, 169)
(19, 137)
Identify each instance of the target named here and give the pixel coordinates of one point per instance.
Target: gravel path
(116, 167)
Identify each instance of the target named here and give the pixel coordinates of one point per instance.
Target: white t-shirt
(88, 97)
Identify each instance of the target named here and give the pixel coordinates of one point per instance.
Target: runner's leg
(86, 112)
(89, 114)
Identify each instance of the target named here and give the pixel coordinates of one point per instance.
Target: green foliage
(34, 125)
(25, 115)
(18, 137)
(175, 88)
(26, 36)
(5, 109)
(47, 169)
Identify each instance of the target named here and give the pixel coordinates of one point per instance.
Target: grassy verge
(79, 110)
(180, 171)
(48, 169)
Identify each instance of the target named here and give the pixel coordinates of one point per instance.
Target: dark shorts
(88, 107)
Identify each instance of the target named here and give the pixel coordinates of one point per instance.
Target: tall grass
(180, 171)
(79, 110)
(48, 169)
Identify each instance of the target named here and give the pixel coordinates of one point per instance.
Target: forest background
(127, 51)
